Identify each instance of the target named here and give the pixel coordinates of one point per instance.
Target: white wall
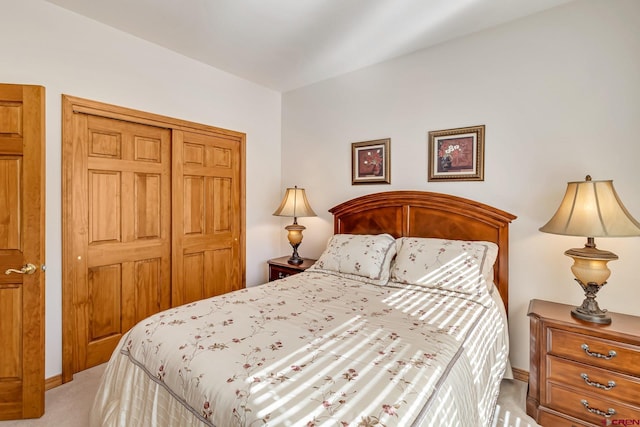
(46, 45)
(559, 93)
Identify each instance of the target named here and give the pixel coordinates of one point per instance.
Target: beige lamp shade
(592, 209)
(294, 204)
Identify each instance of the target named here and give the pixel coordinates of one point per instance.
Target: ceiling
(287, 44)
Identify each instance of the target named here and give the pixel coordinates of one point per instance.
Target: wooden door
(207, 216)
(22, 217)
(120, 207)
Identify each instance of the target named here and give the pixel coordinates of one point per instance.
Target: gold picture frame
(370, 162)
(457, 154)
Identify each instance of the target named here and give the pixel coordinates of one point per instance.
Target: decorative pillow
(360, 256)
(456, 265)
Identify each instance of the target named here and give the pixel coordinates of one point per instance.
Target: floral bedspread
(309, 350)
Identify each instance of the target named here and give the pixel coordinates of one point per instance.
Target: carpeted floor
(69, 404)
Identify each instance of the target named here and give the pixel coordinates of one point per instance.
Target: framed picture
(370, 162)
(457, 154)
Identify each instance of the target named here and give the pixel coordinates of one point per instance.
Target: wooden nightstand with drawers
(279, 268)
(581, 373)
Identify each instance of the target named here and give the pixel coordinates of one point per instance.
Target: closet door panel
(148, 206)
(193, 205)
(104, 206)
(194, 276)
(122, 230)
(219, 272)
(148, 279)
(207, 216)
(105, 284)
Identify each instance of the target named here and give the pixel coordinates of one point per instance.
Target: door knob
(26, 269)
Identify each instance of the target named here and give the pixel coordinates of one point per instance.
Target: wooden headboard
(426, 214)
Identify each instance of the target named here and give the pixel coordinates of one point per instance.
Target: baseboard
(520, 375)
(52, 382)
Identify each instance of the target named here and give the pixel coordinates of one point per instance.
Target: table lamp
(591, 209)
(295, 204)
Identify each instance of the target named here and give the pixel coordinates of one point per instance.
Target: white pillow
(455, 265)
(358, 256)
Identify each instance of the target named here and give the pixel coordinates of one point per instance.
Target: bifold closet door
(207, 216)
(121, 217)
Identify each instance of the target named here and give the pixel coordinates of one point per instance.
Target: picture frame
(370, 162)
(457, 154)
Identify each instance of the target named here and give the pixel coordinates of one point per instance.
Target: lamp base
(600, 318)
(589, 311)
(295, 258)
(295, 238)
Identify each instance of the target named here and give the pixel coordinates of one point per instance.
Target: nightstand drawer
(603, 383)
(600, 352)
(586, 406)
(276, 273)
(279, 268)
(550, 418)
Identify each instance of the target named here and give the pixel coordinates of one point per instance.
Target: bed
(402, 321)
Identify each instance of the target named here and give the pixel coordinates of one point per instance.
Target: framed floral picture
(457, 154)
(370, 162)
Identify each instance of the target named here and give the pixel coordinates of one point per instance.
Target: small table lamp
(295, 204)
(591, 209)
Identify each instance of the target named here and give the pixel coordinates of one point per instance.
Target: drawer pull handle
(609, 386)
(611, 355)
(607, 414)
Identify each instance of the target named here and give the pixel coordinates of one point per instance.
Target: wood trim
(177, 218)
(52, 382)
(242, 243)
(520, 375)
(34, 243)
(436, 215)
(101, 109)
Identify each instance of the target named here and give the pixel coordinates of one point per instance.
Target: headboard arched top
(428, 214)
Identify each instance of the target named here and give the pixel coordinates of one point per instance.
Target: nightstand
(279, 268)
(581, 373)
